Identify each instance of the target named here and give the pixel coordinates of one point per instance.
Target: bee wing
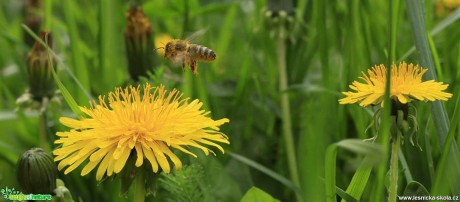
(196, 36)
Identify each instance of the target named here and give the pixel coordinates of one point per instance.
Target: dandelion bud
(139, 44)
(279, 18)
(36, 172)
(32, 19)
(41, 83)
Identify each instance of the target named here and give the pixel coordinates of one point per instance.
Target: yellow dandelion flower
(160, 42)
(406, 85)
(135, 120)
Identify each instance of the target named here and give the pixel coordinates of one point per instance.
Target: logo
(12, 194)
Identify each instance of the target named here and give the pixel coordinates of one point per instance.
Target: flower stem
(139, 187)
(286, 114)
(43, 136)
(393, 190)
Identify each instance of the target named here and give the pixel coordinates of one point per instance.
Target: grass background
(330, 43)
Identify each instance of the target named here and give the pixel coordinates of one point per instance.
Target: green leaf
(374, 153)
(359, 180)
(414, 188)
(345, 196)
(255, 194)
(267, 171)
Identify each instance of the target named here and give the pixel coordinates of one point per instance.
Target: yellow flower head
(160, 42)
(406, 85)
(133, 120)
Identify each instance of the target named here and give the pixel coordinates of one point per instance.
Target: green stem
(385, 116)
(393, 190)
(139, 187)
(286, 114)
(43, 136)
(48, 14)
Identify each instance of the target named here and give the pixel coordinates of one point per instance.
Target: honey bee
(182, 51)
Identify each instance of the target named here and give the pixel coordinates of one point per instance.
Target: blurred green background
(327, 45)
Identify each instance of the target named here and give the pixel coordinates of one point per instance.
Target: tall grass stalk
(286, 114)
(286, 182)
(440, 118)
(109, 32)
(396, 138)
(441, 171)
(77, 54)
(384, 132)
(416, 17)
(330, 174)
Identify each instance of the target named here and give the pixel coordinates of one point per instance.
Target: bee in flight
(182, 51)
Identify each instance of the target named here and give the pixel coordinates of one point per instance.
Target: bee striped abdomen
(202, 53)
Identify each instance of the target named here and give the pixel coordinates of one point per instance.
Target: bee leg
(183, 66)
(194, 67)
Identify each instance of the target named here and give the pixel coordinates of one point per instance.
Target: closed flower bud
(139, 44)
(36, 172)
(279, 18)
(41, 83)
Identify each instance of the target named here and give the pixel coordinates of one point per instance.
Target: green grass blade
(362, 147)
(108, 57)
(77, 58)
(330, 173)
(267, 171)
(384, 133)
(440, 118)
(449, 20)
(225, 35)
(359, 180)
(355, 190)
(436, 58)
(443, 172)
(67, 96)
(345, 196)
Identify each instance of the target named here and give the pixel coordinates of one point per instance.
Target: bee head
(168, 46)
